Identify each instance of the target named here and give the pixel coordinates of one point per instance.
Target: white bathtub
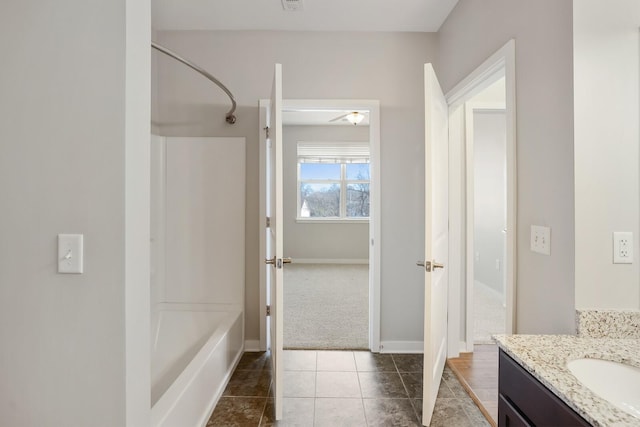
(195, 348)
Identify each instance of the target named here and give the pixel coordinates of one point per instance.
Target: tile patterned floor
(341, 388)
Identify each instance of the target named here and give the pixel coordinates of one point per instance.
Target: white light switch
(541, 239)
(70, 251)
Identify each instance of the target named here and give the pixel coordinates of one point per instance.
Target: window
(333, 180)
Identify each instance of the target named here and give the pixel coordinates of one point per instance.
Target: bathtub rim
(168, 401)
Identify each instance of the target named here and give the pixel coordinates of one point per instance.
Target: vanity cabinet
(524, 401)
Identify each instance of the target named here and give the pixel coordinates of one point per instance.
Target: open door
(436, 240)
(274, 240)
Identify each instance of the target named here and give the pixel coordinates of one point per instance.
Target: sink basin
(616, 382)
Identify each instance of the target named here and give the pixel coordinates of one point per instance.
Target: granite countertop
(546, 357)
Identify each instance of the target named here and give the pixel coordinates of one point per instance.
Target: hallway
(349, 388)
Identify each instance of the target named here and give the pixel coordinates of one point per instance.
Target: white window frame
(342, 182)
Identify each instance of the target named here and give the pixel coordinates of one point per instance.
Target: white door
(274, 241)
(436, 240)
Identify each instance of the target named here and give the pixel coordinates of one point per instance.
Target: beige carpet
(326, 306)
(489, 313)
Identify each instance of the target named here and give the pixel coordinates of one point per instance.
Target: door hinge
(266, 132)
(268, 310)
(268, 222)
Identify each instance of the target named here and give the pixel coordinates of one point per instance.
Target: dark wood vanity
(525, 401)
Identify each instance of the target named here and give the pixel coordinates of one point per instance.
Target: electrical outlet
(622, 247)
(541, 239)
(498, 264)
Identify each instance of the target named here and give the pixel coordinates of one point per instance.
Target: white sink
(616, 382)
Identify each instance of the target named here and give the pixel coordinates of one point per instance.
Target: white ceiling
(317, 15)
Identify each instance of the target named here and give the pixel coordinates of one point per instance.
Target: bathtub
(195, 348)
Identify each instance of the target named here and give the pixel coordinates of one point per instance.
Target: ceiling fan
(353, 117)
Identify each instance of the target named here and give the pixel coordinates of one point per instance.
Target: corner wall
(544, 93)
(607, 157)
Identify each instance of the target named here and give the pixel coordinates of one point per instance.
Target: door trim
(375, 209)
(501, 63)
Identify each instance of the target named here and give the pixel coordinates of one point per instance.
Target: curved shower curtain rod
(230, 117)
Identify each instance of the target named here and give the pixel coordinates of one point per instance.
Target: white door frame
(470, 107)
(500, 64)
(373, 106)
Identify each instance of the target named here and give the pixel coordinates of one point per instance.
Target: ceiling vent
(292, 5)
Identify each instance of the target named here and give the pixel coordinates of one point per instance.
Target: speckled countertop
(546, 357)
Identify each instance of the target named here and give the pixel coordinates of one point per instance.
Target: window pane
(319, 200)
(359, 171)
(358, 200)
(319, 171)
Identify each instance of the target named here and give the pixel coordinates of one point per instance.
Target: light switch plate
(541, 239)
(70, 253)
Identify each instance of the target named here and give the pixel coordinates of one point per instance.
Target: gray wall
(489, 142)
(544, 66)
(62, 170)
(305, 240)
(607, 112)
(317, 65)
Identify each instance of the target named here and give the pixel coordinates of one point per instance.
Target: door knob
(277, 261)
(282, 261)
(429, 265)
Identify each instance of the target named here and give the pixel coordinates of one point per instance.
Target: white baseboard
(401, 347)
(252, 345)
(329, 261)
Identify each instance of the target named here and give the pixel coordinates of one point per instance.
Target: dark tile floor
(341, 388)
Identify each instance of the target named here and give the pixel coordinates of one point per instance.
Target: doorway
(485, 125)
(331, 207)
(483, 203)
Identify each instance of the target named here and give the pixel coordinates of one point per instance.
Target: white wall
(317, 65)
(607, 110)
(489, 142)
(346, 241)
(204, 230)
(543, 33)
(64, 127)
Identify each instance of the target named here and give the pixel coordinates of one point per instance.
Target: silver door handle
(281, 261)
(272, 261)
(429, 265)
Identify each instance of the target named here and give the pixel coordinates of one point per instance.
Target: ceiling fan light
(355, 117)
